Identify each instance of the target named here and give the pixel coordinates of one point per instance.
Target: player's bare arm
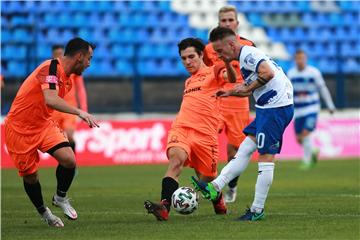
(265, 74)
(230, 72)
(54, 101)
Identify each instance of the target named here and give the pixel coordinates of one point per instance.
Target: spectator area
(140, 37)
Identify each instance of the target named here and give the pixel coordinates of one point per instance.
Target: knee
(266, 158)
(31, 179)
(176, 163)
(68, 161)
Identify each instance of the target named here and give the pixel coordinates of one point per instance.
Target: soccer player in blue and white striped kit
(308, 83)
(273, 94)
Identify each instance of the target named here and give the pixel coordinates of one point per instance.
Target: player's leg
(69, 124)
(178, 151)
(219, 203)
(270, 126)
(230, 194)
(56, 144)
(235, 124)
(241, 160)
(65, 173)
(70, 134)
(306, 136)
(33, 190)
(27, 165)
(204, 159)
(177, 157)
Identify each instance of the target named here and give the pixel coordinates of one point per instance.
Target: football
(185, 200)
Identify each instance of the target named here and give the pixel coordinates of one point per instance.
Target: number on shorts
(260, 138)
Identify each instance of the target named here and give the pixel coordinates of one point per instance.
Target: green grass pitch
(322, 203)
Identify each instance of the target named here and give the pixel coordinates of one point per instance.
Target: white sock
(237, 165)
(263, 183)
(307, 148)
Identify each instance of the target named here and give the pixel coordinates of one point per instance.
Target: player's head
(225, 43)
(81, 52)
(300, 59)
(191, 53)
(57, 51)
(228, 17)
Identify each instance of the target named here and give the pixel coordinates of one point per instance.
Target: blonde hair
(228, 8)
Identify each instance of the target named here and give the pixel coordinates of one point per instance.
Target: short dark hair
(77, 44)
(191, 42)
(56, 46)
(220, 33)
(300, 51)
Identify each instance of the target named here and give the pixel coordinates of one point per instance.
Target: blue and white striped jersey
(307, 84)
(278, 92)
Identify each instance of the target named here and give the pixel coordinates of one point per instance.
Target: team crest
(249, 59)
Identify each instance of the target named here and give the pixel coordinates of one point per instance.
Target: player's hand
(222, 93)
(88, 118)
(241, 88)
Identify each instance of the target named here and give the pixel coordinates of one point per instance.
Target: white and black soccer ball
(184, 200)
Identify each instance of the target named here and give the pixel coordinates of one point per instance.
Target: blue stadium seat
(5, 35)
(43, 51)
(109, 20)
(255, 19)
(122, 51)
(124, 68)
(155, 29)
(351, 65)
(348, 49)
(22, 35)
(80, 20)
(16, 68)
(327, 65)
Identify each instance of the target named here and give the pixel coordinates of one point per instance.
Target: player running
(308, 83)
(193, 139)
(29, 126)
(273, 94)
(235, 113)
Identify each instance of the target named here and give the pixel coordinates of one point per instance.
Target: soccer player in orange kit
(193, 137)
(29, 126)
(234, 111)
(75, 97)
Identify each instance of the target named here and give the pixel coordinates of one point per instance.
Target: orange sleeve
(219, 70)
(210, 56)
(81, 92)
(48, 81)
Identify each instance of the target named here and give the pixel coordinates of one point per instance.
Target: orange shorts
(23, 148)
(203, 150)
(65, 120)
(233, 123)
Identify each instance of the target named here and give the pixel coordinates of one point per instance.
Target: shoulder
(44, 67)
(246, 41)
(313, 69)
(291, 71)
(76, 78)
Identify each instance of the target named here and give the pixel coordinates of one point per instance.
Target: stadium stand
(140, 37)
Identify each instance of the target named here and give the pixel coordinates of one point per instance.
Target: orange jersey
(29, 113)
(77, 95)
(229, 103)
(199, 108)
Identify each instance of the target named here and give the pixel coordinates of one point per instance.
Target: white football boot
(51, 219)
(230, 195)
(64, 204)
